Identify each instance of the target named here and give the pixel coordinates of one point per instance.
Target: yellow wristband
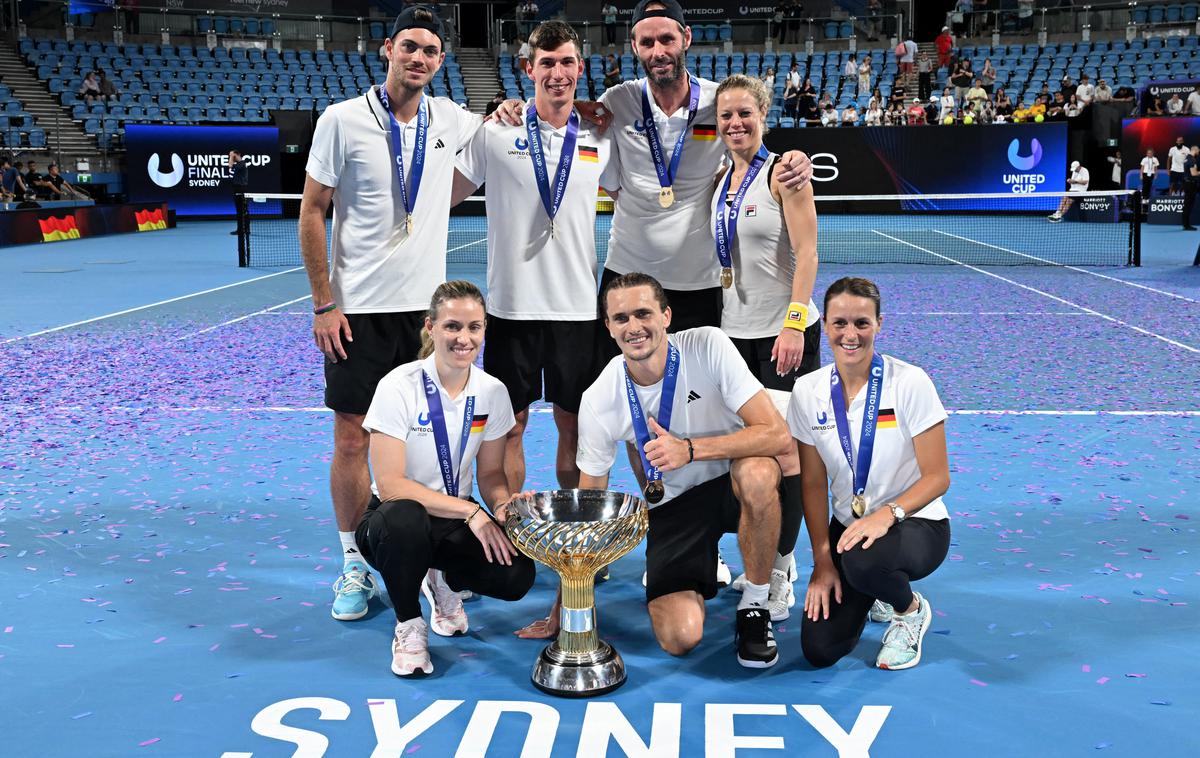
(796, 317)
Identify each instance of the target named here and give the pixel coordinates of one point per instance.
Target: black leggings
(913, 550)
(402, 542)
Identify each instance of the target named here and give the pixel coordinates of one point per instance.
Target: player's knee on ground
(756, 483)
(678, 636)
(820, 652)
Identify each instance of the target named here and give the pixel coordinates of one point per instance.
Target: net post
(1135, 230)
(239, 203)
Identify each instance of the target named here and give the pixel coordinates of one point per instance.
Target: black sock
(792, 514)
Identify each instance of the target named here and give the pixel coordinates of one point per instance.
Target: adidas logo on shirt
(439, 144)
(693, 395)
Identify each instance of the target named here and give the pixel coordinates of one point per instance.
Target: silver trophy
(577, 533)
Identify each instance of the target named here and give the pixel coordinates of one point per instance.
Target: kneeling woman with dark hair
(431, 421)
(871, 429)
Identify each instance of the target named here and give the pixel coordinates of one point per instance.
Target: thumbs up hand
(666, 452)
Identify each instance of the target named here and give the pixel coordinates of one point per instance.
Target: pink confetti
(1087, 669)
(1102, 680)
(149, 742)
(160, 639)
(978, 683)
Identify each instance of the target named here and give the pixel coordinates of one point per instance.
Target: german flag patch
(478, 423)
(589, 154)
(887, 419)
(704, 132)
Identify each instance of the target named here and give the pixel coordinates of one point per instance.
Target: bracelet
(331, 306)
(796, 317)
(691, 450)
(467, 520)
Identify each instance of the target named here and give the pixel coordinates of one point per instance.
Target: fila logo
(751, 211)
(439, 144)
(693, 395)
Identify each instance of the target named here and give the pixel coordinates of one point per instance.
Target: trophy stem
(577, 631)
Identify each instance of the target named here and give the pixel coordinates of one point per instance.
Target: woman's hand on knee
(496, 547)
(866, 530)
(824, 585)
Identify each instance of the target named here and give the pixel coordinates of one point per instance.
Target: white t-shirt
(830, 117)
(763, 263)
(1177, 155)
(794, 78)
(1079, 180)
(1084, 93)
(670, 244)
(1175, 106)
(910, 51)
(377, 267)
(1193, 104)
(1103, 94)
(908, 406)
(850, 68)
(399, 409)
(712, 385)
(1149, 166)
(532, 275)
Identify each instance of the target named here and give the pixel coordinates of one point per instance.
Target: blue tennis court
(167, 544)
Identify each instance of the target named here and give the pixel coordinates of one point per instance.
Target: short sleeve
(597, 448)
(392, 409)
(472, 161)
(327, 155)
(468, 126)
(795, 417)
(610, 179)
(500, 418)
(737, 384)
(922, 408)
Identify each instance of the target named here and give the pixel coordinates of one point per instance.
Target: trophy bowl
(577, 533)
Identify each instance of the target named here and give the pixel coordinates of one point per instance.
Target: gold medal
(655, 491)
(859, 505)
(666, 197)
(408, 225)
(726, 277)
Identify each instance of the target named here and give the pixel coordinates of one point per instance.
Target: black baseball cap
(408, 20)
(670, 9)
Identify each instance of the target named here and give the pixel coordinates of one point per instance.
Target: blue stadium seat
(268, 27)
(831, 30)
(204, 24)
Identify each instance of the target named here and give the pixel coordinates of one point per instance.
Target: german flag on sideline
(150, 219)
(56, 229)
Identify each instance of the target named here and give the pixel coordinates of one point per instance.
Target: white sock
(350, 552)
(754, 596)
(784, 562)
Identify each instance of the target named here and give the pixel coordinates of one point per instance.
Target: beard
(666, 80)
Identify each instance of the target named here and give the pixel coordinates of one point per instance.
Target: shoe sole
(414, 674)
(758, 664)
(920, 644)
(783, 615)
(349, 616)
(434, 626)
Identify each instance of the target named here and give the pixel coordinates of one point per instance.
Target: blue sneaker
(902, 641)
(351, 592)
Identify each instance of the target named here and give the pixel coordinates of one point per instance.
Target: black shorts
(382, 341)
(1176, 178)
(681, 545)
(689, 309)
(757, 354)
(520, 353)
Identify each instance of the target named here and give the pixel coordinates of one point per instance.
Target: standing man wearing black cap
(385, 162)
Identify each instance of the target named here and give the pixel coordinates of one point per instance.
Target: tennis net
(1001, 229)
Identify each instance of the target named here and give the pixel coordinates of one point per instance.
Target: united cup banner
(187, 166)
(1164, 88)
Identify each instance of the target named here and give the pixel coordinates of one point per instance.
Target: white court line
(1064, 301)
(460, 247)
(262, 312)
(1073, 268)
(151, 305)
(547, 409)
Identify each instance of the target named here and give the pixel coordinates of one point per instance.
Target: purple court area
(167, 545)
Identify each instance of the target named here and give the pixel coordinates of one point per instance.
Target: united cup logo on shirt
(521, 144)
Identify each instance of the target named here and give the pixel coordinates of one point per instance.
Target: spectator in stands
(1176, 157)
(960, 78)
(908, 58)
(948, 105)
(1057, 109)
(1174, 105)
(494, 104)
(988, 114)
(850, 69)
(976, 97)
(874, 10)
(791, 99)
(1191, 179)
(1193, 102)
(916, 115)
(864, 76)
(874, 114)
(1149, 173)
(768, 78)
(62, 189)
(1073, 107)
(12, 186)
(924, 76)
(1067, 85)
(1004, 106)
(609, 12)
(1085, 91)
(899, 97)
(794, 74)
(612, 72)
(89, 89)
(988, 76)
(944, 44)
(523, 53)
(1104, 93)
(778, 20)
(1115, 160)
(1077, 183)
(808, 100)
(793, 13)
(829, 115)
(108, 90)
(962, 15)
(1045, 93)
(932, 109)
(1124, 94)
(850, 115)
(36, 185)
(527, 13)
(1156, 107)
(1025, 16)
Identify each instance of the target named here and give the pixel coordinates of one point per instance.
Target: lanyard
(441, 440)
(725, 231)
(551, 202)
(418, 162)
(666, 175)
(866, 440)
(665, 403)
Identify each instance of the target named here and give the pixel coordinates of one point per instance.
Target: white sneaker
(410, 649)
(881, 612)
(723, 575)
(447, 618)
(781, 596)
(739, 584)
(902, 640)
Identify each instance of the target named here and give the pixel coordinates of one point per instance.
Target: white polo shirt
(712, 385)
(667, 243)
(1079, 180)
(1149, 166)
(377, 267)
(1177, 155)
(1193, 103)
(531, 275)
(399, 409)
(909, 405)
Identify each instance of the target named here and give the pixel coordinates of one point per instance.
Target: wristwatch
(897, 512)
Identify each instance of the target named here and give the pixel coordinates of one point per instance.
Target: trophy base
(573, 675)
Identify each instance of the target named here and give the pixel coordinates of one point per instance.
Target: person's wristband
(691, 449)
(467, 520)
(325, 309)
(796, 317)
